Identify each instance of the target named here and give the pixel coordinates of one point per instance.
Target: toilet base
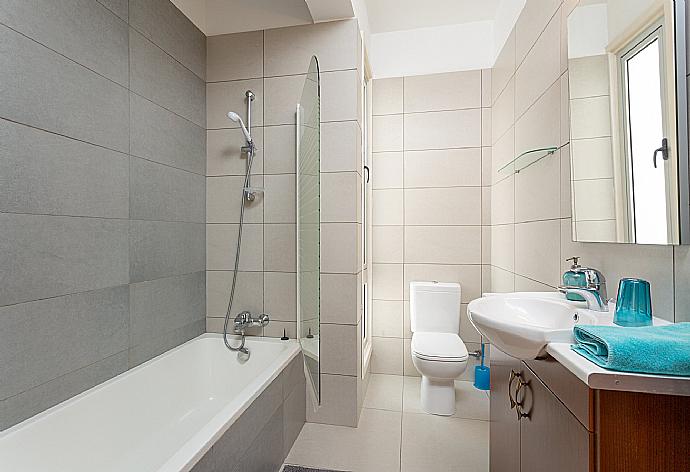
(438, 396)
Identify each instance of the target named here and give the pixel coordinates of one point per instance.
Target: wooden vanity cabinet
(557, 423)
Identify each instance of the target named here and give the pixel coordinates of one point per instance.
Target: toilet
(438, 353)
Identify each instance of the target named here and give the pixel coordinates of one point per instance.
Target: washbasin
(522, 324)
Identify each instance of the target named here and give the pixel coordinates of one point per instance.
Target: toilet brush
(481, 373)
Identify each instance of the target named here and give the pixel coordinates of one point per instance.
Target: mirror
(308, 141)
(628, 121)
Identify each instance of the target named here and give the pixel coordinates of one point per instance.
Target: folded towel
(648, 349)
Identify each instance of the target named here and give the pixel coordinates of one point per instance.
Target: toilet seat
(442, 347)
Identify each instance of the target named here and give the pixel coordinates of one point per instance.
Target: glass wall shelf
(526, 159)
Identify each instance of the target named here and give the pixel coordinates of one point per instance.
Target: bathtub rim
(200, 442)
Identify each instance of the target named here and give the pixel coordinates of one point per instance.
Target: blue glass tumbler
(634, 303)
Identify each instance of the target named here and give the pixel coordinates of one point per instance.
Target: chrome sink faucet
(594, 292)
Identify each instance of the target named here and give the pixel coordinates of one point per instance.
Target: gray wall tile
(159, 192)
(162, 136)
(163, 342)
(294, 416)
(47, 256)
(42, 340)
(163, 249)
(165, 25)
(164, 305)
(94, 38)
(118, 7)
(266, 452)
(26, 404)
(43, 89)
(49, 174)
(158, 77)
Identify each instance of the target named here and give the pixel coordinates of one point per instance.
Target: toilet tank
(435, 307)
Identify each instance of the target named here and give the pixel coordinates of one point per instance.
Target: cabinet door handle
(513, 376)
(518, 404)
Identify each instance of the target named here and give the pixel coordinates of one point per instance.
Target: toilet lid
(439, 346)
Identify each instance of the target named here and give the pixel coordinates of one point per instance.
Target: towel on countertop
(647, 350)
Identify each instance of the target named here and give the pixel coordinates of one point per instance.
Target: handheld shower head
(236, 118)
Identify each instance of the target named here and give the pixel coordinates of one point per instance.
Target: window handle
(663, 150)
(366, 169)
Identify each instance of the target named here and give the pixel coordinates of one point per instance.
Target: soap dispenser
(574, 277)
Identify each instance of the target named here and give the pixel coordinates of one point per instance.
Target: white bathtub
(163, 415)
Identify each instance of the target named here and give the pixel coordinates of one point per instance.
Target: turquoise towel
(647, 350)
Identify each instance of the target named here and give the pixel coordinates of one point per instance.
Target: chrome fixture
(244, 319)
(594, 292)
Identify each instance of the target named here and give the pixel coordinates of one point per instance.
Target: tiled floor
(395, 435)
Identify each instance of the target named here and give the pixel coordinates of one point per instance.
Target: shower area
(283, 225)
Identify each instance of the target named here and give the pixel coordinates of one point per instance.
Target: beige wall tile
(538, 190)
(503, 201)
(594, 199)
(504, 67)
(592, 158)
(589, 76)
(338, 355)
(596, 231)
(279, 198)
(565, 110)
(503, 246)
(566, 201)
(486, 127)
(388, 318)
(590, 118)
(339, 95)
(223, 198)
(337, 293)
(537, 251)
(468, 276)
(502, 280)
(467, 331)
(387, 207)
(279, 247)
(387, 356)
(540, 126)
(279, 149)
(387, 96)
(437, 92)
(224, 154)
(387, 244)
(486, 205)
(222, 97)
(443, 244)
(338, 401)
(387, 281)
(531, 23)
(503, 112)
(486, 244)
(249, 292)
(275, 328)
(235, 56)
(339, 248)
(443, 206)
(387, 171)
(443, 168)
(487, 165)
(502, 154)
(340, 146)
(222, 238)
(387, 133)
(486, 87)
(442, 130)
(523, 284)
(289, 50)
(540, 69)
(280, 300)
(281, 97)
(339, 197)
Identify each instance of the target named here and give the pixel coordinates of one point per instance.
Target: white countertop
(603, 379)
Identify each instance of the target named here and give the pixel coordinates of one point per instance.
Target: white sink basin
(522, 324)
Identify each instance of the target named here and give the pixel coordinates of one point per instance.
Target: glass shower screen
(308, 194)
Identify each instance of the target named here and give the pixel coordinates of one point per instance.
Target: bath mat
(296, 468)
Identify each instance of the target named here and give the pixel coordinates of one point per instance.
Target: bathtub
(178, 411)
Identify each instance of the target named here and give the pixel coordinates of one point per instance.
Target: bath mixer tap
(245, 320)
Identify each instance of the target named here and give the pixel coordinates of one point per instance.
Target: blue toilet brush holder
(482, 375)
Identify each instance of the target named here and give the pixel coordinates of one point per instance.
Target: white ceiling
(399, 15)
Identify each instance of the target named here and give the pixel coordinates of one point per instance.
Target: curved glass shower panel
(308, 223)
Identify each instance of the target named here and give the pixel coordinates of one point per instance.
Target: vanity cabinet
(543, 418)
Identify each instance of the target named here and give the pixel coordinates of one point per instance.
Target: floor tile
(444, 444)
(384, 392)
(470, 403)
(374, 446)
